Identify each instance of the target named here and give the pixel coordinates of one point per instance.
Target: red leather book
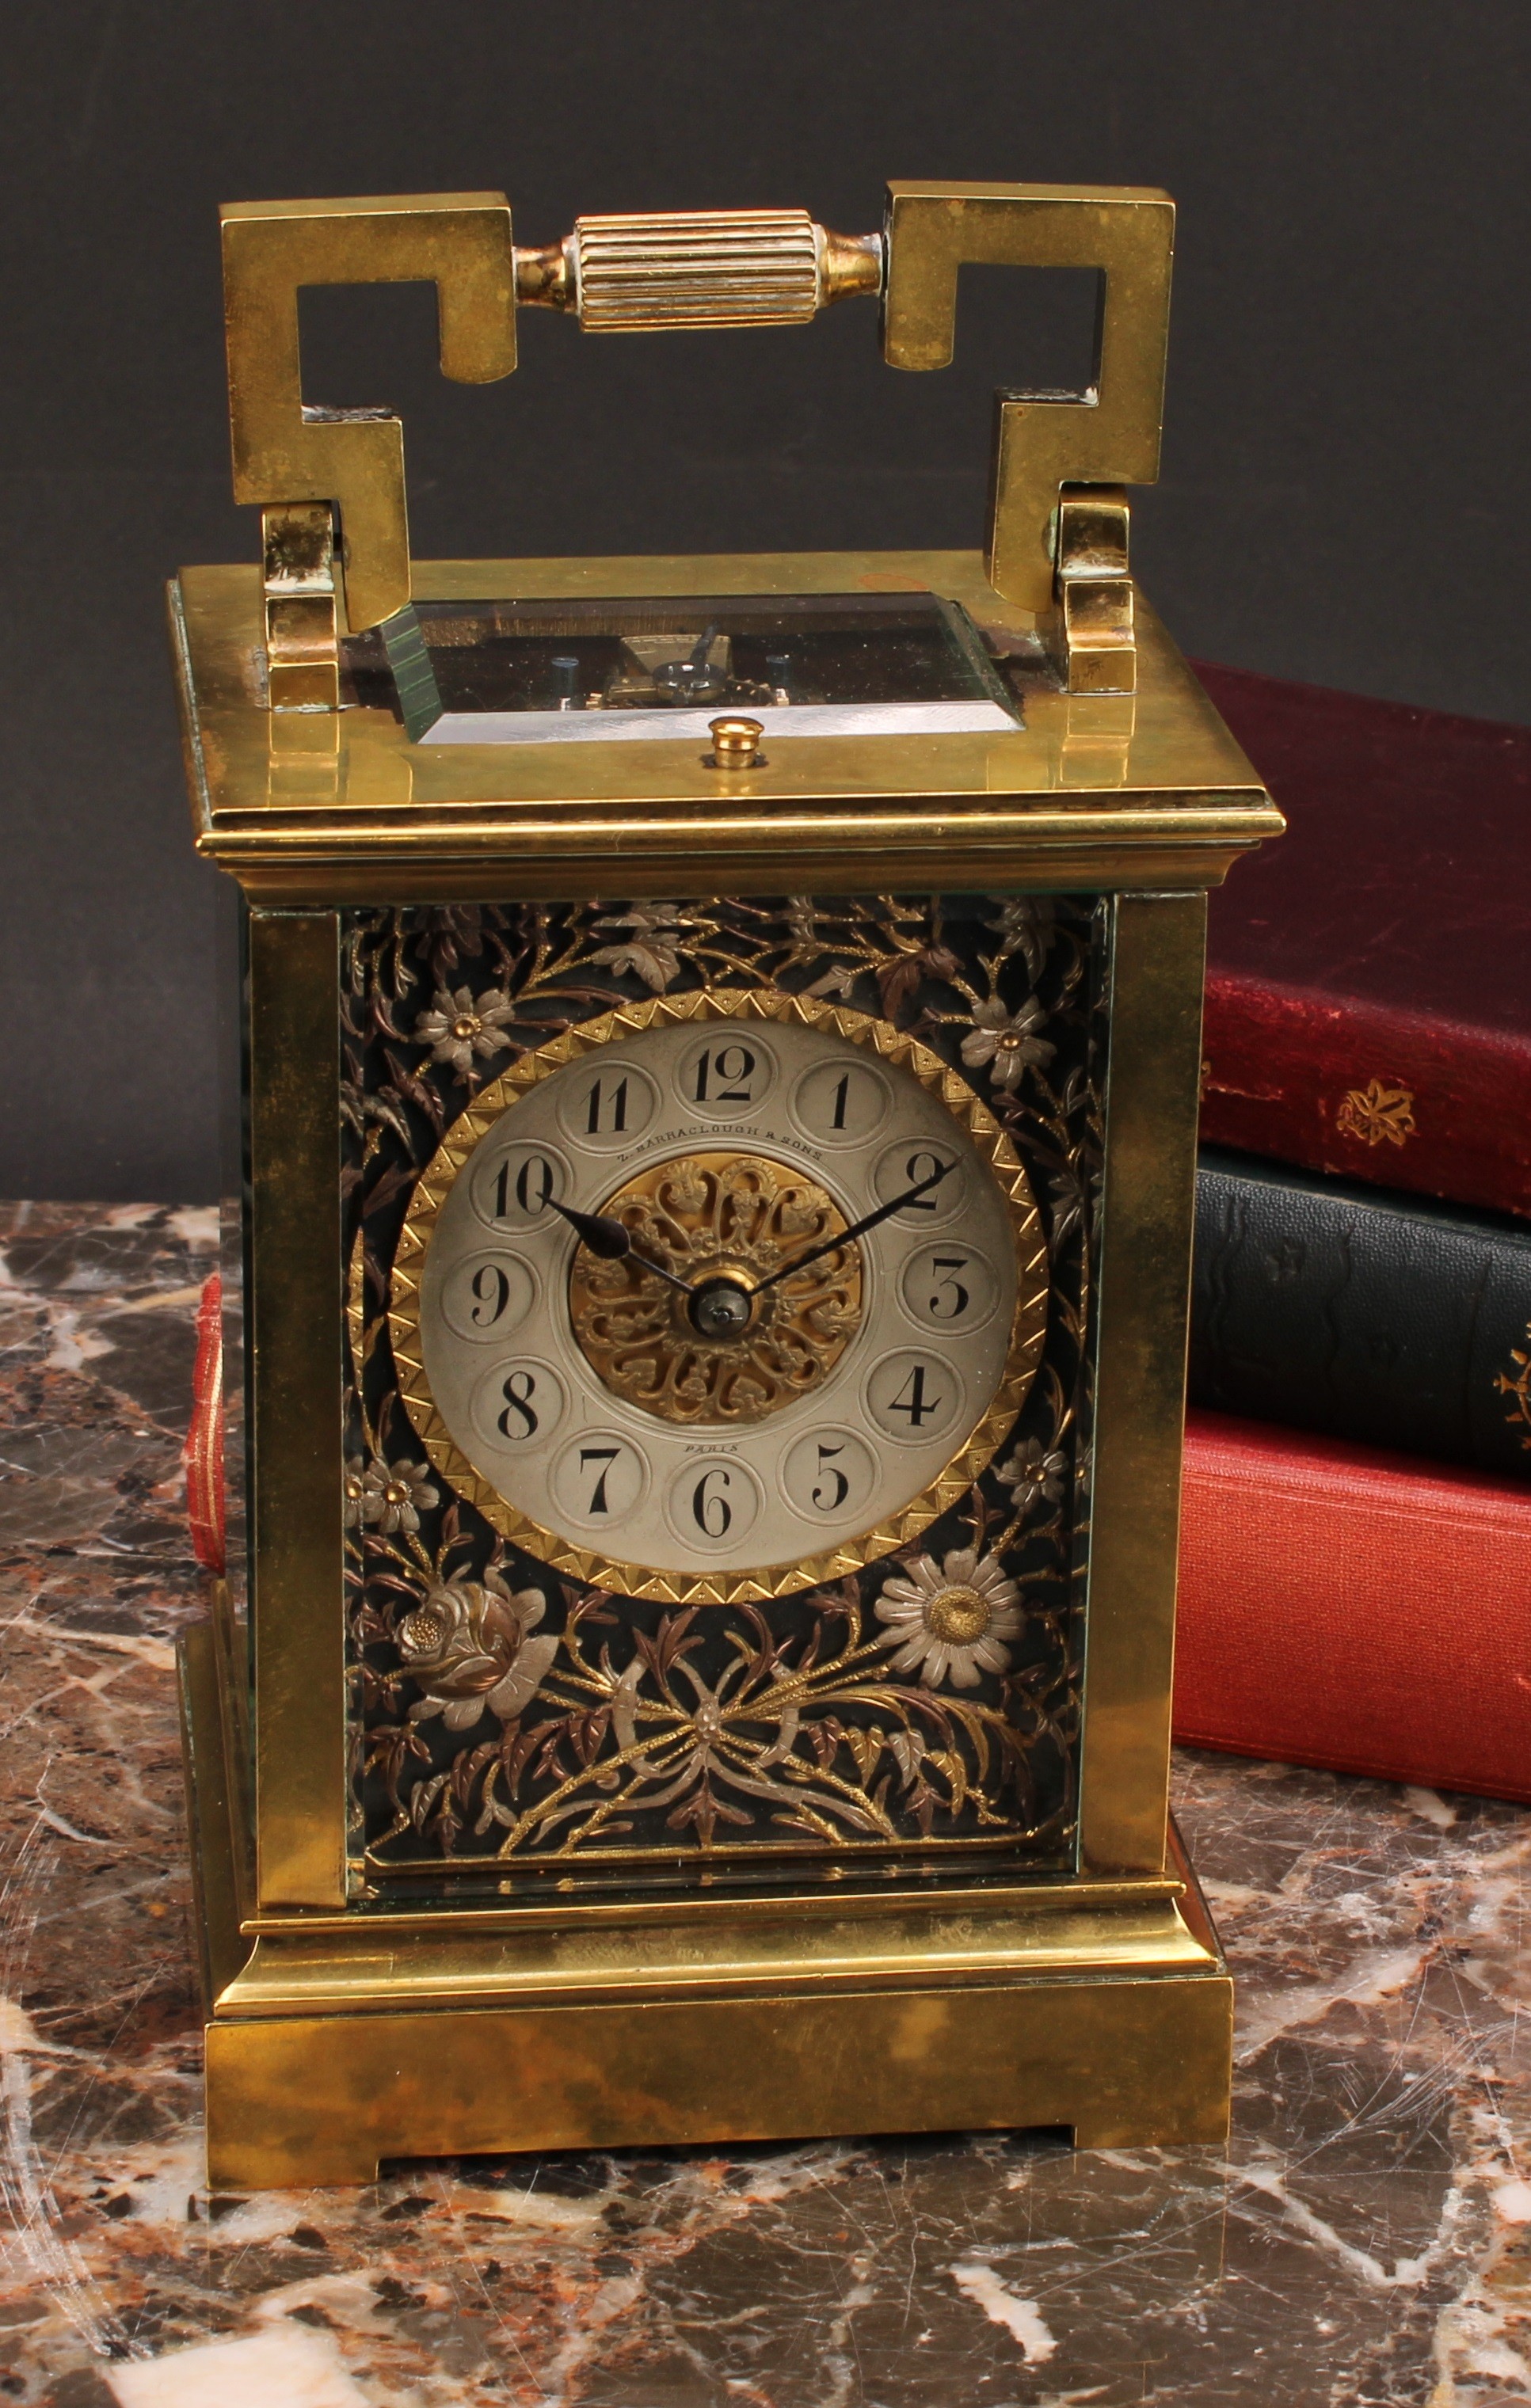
(1361, 1611)
(202, 1453)
(1368, 990)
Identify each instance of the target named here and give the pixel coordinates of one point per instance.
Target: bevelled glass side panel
(541, 1708)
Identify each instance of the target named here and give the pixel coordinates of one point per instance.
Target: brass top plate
(1144, 791)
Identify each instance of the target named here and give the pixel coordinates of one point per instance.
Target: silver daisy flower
(1005, 1041)
(1035, 1475)
(354, 1493)
(459, 1025)
(950, 1619)
(395, 1495)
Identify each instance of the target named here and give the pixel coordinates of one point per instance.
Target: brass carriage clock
(715, 1352)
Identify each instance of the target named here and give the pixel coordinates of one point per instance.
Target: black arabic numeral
(734, 1067)
(913, 1400)
(489, 1279)
(618, 1109)
(711, 1514)
(920, 1166)
(951, 1287)
(605, 1456)
(533, 1186)
(842, 1486)
(518, 1391)
(536, 1168)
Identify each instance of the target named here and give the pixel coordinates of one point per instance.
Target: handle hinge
(1093, 629)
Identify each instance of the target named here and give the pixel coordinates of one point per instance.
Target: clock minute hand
(612, 1241)
(857, 1229)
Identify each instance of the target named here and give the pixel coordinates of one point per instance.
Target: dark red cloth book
(1368, 989)
(1354, 1609)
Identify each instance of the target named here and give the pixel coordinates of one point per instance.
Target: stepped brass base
(335, 2042)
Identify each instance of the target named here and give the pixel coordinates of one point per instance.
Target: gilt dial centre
(707, 1320)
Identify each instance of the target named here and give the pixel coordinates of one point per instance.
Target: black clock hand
(612, 1241)
(857, 1229)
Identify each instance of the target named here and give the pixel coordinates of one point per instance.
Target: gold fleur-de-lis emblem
(1517, 1385)
(1377, 1111)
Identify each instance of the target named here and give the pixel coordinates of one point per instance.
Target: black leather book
(1362, 1312)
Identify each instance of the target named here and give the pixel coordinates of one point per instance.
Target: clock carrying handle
(330, 483)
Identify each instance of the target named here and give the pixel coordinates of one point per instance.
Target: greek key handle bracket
(287, 456)
(1057, 520)
(1056, 538)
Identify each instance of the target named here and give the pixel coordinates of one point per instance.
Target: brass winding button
(736, 743)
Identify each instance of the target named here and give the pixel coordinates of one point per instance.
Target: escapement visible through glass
(611, 671)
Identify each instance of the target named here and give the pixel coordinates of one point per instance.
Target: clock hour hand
(857, 1229)
(611, 1241)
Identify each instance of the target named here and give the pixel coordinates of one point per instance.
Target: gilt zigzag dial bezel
(695, 1586)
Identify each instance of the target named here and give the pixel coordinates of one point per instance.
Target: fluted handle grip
(724, 268)
(642, 274)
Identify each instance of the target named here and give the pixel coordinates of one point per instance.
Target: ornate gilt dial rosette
(794, 1365)
(734, 1219)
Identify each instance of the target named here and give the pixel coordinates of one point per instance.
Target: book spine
(1391, 1099)
(1352, 1609)
(1362, 1316)
(202, 1453)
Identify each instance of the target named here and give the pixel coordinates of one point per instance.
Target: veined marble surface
(1368, 2241)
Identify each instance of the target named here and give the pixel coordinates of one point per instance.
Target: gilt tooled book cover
(1368, 989)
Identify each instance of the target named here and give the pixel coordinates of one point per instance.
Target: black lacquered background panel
(486, 1744)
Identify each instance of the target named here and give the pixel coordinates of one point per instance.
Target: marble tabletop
(1365, 2241)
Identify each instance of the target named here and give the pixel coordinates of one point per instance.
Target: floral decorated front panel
(528, 1715)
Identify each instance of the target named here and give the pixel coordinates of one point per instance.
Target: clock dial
(806, 1313)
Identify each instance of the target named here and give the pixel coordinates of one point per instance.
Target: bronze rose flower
(468, 1645)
